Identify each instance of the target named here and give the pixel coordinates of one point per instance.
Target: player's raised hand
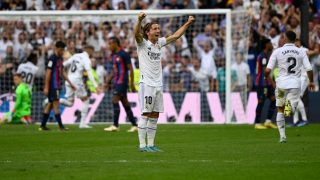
(191, 19)
(141, 16)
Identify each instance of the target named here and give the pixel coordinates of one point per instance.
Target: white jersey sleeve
(68, 62)
(272, 60)
(306, 63)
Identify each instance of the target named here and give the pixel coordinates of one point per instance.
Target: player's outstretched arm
(137, 29)
(180, 31)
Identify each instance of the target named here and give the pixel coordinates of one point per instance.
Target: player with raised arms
(290, 60)
(149, 44)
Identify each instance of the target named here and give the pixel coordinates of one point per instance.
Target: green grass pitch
(190, 152)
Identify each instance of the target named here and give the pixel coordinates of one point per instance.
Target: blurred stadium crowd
(194, 63)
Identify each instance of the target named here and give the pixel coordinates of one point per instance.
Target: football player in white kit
(304, 85)
(149, 44)
(29, 69)
(76, 66)
(290, 59)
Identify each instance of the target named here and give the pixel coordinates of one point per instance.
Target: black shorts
(120, 90)
(53, 95)
(265, 92)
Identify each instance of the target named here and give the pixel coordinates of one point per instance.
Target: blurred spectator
(93, 38)
(252, 62)
(5, 42)
(186, 75)
(274, 36)
(200, 81)
(181, 48)
(206, 55)
(100, 71)
(22, 48)
(120, 4)
(221, 82)
(166, 66)
(35, 4)
(7, 67)
(243, 77)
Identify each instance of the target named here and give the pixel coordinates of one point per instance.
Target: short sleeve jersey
(55, 64)
(120, 62)
(77, 65)
(290, 60)
(150, 61)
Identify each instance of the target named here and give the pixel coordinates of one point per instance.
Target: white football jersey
(150, 61)
(77, 65)
(28, 71)
(290, 60)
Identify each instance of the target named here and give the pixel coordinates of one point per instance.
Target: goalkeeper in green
(22, 108)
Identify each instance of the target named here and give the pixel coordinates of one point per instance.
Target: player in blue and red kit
(265, 88)
(121, 65)
(54, 73)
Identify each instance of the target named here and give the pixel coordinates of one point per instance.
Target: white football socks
(84, 112)
(281, 124)
(151, 130)
(142, 130)
(302, 111)
(65, 102)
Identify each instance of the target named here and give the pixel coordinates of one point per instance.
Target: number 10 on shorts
(148, 99)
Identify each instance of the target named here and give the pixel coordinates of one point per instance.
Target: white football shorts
(150, 98)
(81, 91)
(292, 95)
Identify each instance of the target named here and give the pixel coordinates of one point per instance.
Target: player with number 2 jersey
(290, 60)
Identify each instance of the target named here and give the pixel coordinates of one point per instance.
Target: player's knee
(115, 99)
(84, 98)
(147, 114)
(154, 115)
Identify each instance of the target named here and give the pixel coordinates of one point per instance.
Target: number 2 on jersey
(293, 64)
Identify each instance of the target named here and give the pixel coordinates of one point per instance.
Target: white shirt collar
(151, 44)
(288, 44)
